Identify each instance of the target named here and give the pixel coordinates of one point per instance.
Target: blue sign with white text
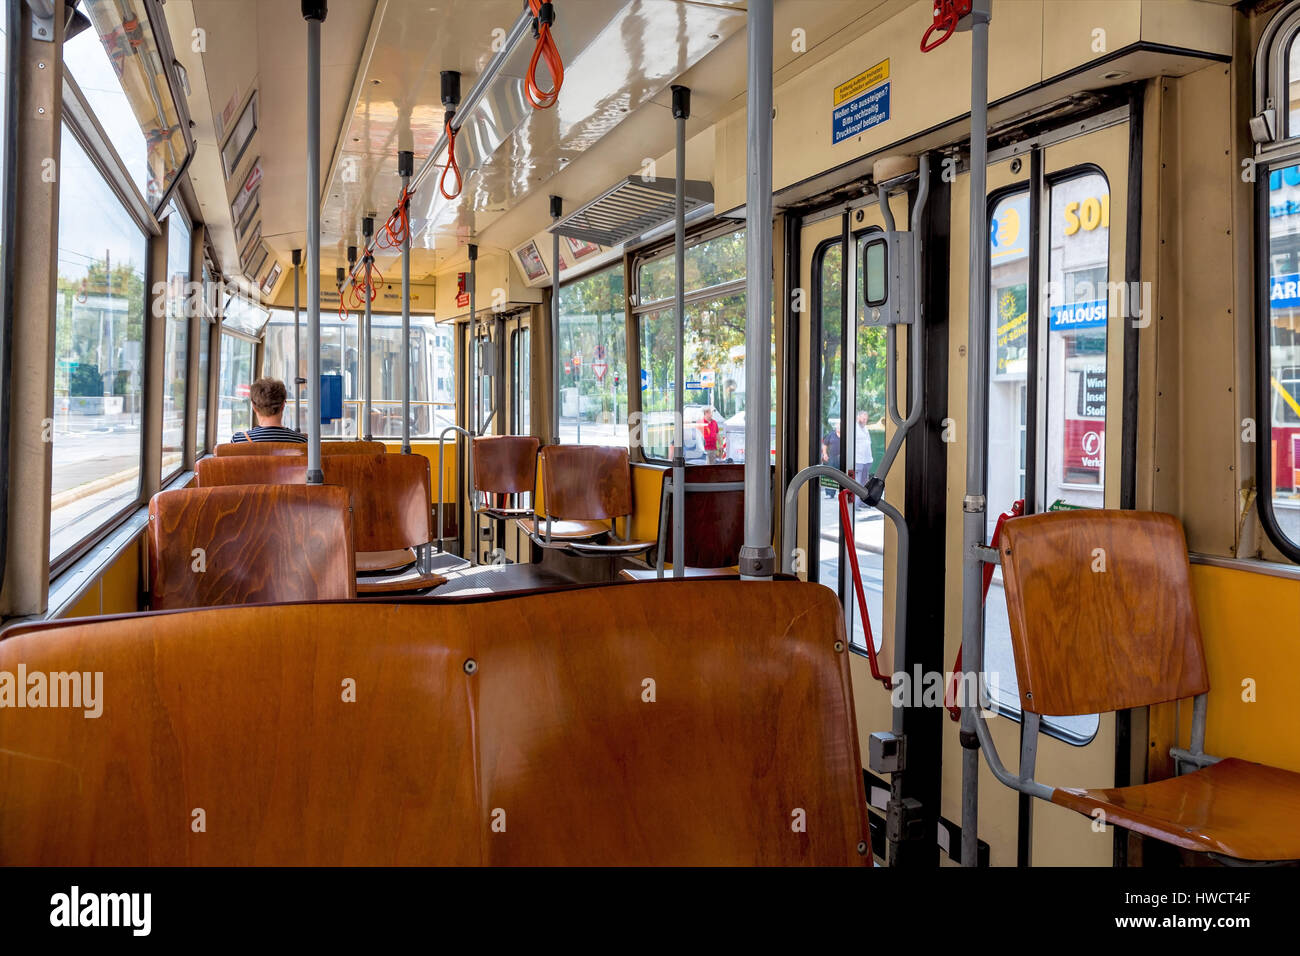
(1284, 291)
(860, 114)
(1078, 315)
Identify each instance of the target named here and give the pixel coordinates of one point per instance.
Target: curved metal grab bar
(790, 531)
(442, 440)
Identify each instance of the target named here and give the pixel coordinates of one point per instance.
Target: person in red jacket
(708, 427)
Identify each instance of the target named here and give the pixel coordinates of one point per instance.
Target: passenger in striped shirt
(269, 396)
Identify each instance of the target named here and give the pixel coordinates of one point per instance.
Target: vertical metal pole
(757, 557)
(313, 11)
(343, 338)
(472, 411)
(405, 168)
(557, 210)
(471, 408)
(367, 231)
(977, 415)
(681, 111)
(298, 380)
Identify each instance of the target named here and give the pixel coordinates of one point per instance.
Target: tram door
(1057, 218)
(844, 422)
(516, 400)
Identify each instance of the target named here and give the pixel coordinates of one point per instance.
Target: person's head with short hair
(708, 413)
(862, 419)
(269, 396)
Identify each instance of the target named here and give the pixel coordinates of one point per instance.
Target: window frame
(617, 267)
(186, 417)
(1272, 63)
(640, 310)
(81, 123)
(8, 235)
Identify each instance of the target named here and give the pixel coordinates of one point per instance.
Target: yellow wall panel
(1248, 625)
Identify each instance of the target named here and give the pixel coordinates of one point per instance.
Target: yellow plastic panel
(1248, 625)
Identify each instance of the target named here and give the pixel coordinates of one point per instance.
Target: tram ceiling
(381, 92)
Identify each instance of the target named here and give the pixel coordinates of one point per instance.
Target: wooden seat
(272, 469)
(249, 544)
(260, 448)
(1102, 619)
(300, 448)
(391, 513)
(1235, 808)
(355, 734)
(590, 484)
(505, 466)
(285, 470)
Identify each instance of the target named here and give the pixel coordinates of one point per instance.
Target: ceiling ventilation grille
(629, 208)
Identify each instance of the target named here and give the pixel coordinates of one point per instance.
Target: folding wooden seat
(586, 490)
(505, 470)
(1102, 619)
(499, 731)
(249, 545)
(392, 520)
(715, 524)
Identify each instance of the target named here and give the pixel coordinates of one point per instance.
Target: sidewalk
(868, 526)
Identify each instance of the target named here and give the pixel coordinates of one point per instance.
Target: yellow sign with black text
(863, 81)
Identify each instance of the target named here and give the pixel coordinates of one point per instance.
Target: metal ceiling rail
(470, 102)
(629, 208)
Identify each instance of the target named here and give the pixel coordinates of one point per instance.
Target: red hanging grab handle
(451, 167)
(395, 229)
(950, 692)
(846, 522)
(946, 15)
(543, 17)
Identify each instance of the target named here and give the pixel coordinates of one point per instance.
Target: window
(521, 363)
(116, 67)
(863, 421)
(432, 378)
(99, 350)
(714, 340)
(208, 312)
(175, 341)
(1077, 291)
(234, 410)
(1281, 479)
(593, 348)
(1277, 310)
(1071, 316)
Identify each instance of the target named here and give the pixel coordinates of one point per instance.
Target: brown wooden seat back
(1101, 611)
(248, 544)
(715, 520)
(356, 447)
(260, 448)
(241, 712)
(298, 448)
(360, 734)
(251, 470)
(505, 464)
(390, 498)
(586, 482)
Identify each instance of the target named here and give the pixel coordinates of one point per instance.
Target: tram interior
(744, 432)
